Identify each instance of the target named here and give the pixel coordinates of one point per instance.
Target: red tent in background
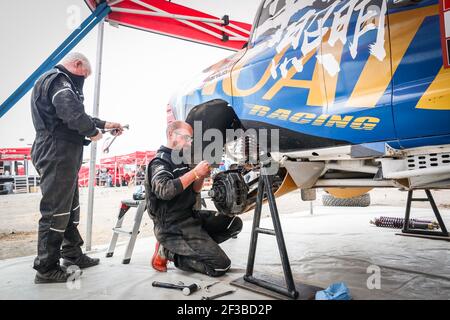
(15, 154)
(116, 166)
(174, 20)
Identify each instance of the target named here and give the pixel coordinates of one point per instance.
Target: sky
(140, 70)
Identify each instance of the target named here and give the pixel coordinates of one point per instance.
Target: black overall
(57, 153)
(191, 236)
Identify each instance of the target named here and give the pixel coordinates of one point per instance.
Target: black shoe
(82, 262)
(57, 275)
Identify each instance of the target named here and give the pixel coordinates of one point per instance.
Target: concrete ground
(333, 245)
(19, 214)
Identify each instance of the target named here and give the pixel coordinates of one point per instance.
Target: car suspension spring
(398, 223)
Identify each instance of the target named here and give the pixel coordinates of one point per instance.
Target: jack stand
(249, 281)
(436, 235)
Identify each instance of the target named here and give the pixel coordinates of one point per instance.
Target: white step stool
(125, 206)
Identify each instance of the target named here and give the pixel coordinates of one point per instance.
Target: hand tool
(210, 285)
(187, 290)
(218, 295)
(114, 130)
(109, 143)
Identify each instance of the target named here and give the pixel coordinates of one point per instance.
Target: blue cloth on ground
(337, 291)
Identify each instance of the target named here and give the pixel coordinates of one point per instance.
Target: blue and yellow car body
(336, 73)
(402, 98)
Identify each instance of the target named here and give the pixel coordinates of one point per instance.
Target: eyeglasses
(186, 137)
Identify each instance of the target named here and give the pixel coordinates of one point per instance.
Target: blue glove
(337, 291)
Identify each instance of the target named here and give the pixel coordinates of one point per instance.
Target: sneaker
(159, 259)
(57, 275)
(82, 262)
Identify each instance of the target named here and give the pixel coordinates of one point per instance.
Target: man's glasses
(186, 137)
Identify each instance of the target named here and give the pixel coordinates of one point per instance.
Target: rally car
(359, 90)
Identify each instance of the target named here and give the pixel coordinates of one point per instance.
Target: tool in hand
(109, 143)
(114, 130)
(218, 295)
(210, 285)
(187, 290)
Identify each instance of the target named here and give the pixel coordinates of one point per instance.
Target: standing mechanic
(187, 237)
(62, 126)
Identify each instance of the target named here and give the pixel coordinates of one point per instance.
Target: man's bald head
(179, 135)
(178, 124)
(77, 63)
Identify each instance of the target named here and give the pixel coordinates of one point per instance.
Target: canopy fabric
(138, 157)
(170, 19)
(116, 165)
(14, 154)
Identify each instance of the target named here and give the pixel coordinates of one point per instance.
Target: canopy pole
(95, 113)
(164, 14)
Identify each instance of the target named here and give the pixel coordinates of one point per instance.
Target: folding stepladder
(141, 207)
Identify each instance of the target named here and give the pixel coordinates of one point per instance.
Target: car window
(270, 10)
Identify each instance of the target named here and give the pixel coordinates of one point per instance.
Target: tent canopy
(170, 19)
(138, 157)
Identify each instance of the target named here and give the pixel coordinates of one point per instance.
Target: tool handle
(223, 294)
(187, 290)
(166, 285)
(113, 131)
(219, 295)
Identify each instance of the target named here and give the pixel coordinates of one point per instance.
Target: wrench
(218, 295)
(210, 285)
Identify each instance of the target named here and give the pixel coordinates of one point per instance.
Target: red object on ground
(147, 15)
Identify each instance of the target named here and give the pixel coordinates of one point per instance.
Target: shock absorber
(397, 223)
(251, 149)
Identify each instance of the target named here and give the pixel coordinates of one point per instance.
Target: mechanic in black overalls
(61, 129)
(185, 236)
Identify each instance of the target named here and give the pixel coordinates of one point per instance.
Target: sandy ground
(19, 215)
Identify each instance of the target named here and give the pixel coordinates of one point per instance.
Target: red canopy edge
(180, 22)
(136, 157)
(116, 164)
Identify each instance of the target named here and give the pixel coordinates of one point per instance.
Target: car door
(278, 82)
(421, 82)
(357, 61)
(320, 71)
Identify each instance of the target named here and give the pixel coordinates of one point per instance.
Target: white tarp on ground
(333, 245)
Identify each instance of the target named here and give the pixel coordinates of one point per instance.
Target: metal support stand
(438, 235)
(93, 158)
(125, 206)
(290, 290)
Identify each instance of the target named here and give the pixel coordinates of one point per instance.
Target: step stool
(125, 206)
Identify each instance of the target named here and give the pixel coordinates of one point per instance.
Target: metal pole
(98, 73)
(25, 166)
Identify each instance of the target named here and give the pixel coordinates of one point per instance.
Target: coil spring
(398, 223)
(251, 149)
